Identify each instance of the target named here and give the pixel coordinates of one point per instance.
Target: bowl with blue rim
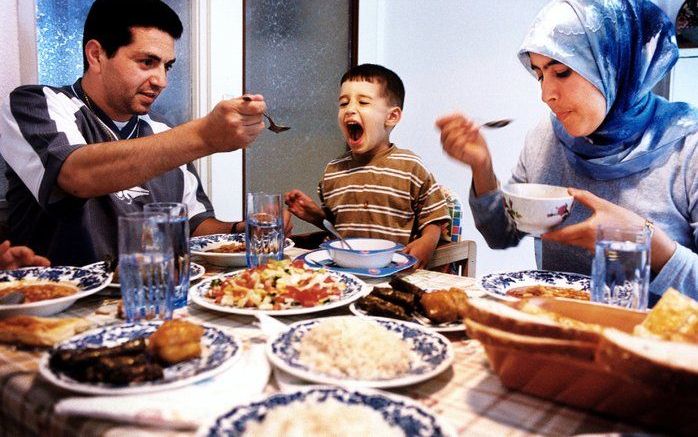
(362, 253)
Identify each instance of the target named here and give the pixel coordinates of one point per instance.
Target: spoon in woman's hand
(330, 227)
(496, 124)
(272, 126)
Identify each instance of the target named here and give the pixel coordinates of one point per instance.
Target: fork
(272, 126)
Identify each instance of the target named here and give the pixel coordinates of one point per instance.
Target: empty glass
(264, 232)
(146, 267)
(620, 273)
(178, 220)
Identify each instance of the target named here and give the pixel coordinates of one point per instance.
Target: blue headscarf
(623, 47)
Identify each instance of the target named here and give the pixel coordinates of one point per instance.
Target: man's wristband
(233, 228)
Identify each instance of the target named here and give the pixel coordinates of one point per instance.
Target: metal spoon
(12, 298)
(330, 227)
(496, 124)
(272, 126)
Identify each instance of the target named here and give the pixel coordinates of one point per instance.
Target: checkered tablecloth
(468, 395)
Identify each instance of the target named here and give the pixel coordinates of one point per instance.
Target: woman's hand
(19, 256)
(461, 139)
(605, 213)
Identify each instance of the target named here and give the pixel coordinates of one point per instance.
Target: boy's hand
(19, 256)
(423, 247)
(303, 207)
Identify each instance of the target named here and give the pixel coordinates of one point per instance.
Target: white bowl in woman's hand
(536, 208)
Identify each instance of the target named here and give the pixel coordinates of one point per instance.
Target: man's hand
(233, 124)
(423, 247)
(303, 207)
(19, 256)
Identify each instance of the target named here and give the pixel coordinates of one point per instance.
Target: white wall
(456, 55)
(9, 49)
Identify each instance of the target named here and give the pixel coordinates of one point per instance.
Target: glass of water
(178, 219)
(264, 232)
(620, 273)
(146, 267)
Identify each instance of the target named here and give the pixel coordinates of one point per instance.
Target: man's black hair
(110, 22)
(388, 79)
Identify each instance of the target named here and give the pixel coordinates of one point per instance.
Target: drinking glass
(620, 273)
(178, 220)
(264, 231)
(146, 267)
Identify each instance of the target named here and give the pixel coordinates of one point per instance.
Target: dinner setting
(307, 226)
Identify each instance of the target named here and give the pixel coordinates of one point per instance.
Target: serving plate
(200, 245)
(321, 258)
(432, 354)
(355, 288)
(405, 414)
(497, 284)
(195, 272)
(219, 352)
(87, 281)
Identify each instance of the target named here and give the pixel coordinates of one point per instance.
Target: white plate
(321, 258)
(497, 284)
(200, 245)
(418, 319)
(433, 354)
(406, 414)
(355, 289)
(88, 282)
(219, 352)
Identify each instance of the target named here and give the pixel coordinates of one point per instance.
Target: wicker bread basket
(579, 380)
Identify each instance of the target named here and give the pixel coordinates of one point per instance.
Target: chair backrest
(462, 254)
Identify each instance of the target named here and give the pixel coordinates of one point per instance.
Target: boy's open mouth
(355, 131)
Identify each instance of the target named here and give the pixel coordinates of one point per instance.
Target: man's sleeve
(38, 130)
(193, 195)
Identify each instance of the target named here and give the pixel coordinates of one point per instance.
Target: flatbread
(40, 331)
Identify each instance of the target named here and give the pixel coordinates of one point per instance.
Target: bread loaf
(528, 319)
(675, 318)
(666, 365)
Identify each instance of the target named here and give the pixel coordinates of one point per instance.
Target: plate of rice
(324, 411)
(360, 352)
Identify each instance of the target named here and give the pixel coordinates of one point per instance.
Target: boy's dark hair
(391, 82)
(110, 22)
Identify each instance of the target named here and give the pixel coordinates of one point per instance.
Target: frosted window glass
(295, 55)
(59, 51)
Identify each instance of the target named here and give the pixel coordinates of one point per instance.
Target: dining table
(468, 396)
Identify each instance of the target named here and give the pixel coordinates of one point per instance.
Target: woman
(630, 155)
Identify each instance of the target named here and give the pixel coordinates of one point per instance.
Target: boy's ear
(394, 116)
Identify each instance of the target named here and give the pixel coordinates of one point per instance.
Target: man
(81, 155)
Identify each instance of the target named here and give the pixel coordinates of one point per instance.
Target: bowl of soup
(536, 208)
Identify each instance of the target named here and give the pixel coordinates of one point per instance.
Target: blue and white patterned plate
(413, 419)
(355, 289)
(321, 258)
(219, 352)
(200, 245)
(497, 284)
(432, 354)
(87, 281)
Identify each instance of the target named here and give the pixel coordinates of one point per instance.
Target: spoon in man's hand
(272, 126)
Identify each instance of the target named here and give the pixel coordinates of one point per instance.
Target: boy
(376, 190)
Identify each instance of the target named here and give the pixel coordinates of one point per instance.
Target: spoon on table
(330, 227)
(272, 126)
(496, 124)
